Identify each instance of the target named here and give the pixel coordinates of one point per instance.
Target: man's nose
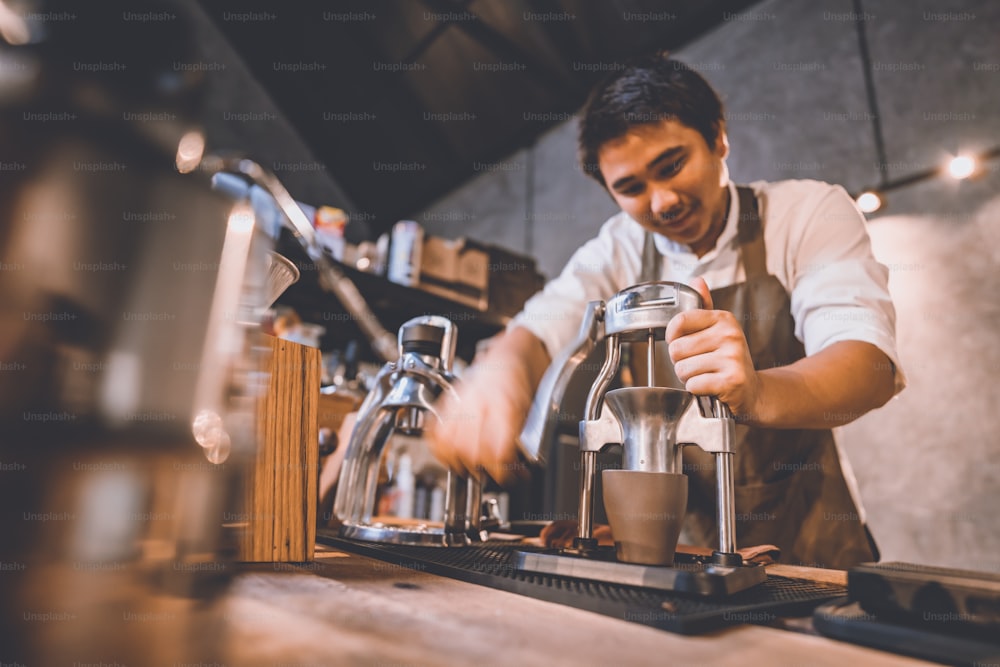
(663, 200)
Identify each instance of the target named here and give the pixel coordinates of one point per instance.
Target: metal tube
(586, 510)
(474, 506)
(650, 357)
(612, 358)
(456, 503)
(726, 506)
(588, 460)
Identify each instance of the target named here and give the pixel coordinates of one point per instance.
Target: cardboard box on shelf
(513, 279)
(457, 269)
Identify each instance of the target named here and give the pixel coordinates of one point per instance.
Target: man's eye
(672, 168)
(631, 191)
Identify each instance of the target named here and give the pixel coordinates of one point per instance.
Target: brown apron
(790, 489)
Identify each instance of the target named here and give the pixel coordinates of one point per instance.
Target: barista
(797, 333)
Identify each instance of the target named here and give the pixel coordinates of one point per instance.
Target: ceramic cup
(645, 510)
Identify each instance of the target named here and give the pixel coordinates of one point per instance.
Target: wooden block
(334, 407)
(282, 483)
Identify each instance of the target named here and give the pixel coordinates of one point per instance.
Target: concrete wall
(791, 77)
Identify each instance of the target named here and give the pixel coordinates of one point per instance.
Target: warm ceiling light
(190, 151)
(207, 428)
(13, 27)
(962, 166)
(869, 202)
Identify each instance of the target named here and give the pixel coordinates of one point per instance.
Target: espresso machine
(652, 425)
(403, 395)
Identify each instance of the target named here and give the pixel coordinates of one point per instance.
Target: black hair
(646, 91)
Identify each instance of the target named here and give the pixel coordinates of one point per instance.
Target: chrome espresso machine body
(653, 425)
(403, 395)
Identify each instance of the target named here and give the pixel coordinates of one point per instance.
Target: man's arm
(480, 429)
(497, 390)
(832, 387)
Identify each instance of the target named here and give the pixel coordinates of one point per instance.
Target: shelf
(392, 304)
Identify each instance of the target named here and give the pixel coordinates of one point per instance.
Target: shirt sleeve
(839, 290)
(597, 270)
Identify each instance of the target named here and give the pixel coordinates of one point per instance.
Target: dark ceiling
(404, 100)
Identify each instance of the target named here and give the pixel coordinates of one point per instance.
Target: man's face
(670, 181)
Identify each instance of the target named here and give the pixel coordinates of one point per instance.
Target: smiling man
(797, 334)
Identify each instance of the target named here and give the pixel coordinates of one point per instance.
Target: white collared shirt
(816, 244)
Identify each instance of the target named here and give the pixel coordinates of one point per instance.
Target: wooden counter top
(346, 609)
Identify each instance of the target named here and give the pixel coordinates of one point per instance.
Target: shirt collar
(667, 247)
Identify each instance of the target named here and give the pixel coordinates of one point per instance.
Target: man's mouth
(675, 219)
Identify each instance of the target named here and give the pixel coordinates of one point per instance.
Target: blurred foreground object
(129, 343)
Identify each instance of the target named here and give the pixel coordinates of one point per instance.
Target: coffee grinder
(652, 425)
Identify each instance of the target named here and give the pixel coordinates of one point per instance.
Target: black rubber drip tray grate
(490, 564)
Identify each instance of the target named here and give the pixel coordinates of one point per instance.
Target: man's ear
(722, 142)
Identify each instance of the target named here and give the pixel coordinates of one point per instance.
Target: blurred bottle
(405, 251)
(330, 224)
(405, 487)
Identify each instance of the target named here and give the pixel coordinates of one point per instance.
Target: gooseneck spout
(539, 429)
(332, 279)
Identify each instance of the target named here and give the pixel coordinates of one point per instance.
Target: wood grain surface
(345, 609)
(281, 485)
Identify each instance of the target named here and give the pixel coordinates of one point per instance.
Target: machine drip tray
(492, 564)
(688, 574)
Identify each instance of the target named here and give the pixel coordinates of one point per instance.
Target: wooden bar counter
(346, 609)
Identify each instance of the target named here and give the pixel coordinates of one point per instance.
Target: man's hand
(479, 427)
(828, 388)
(710, 355)
(330, 473)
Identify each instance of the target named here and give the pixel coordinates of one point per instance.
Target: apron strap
(651, 258)
(752, 251)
